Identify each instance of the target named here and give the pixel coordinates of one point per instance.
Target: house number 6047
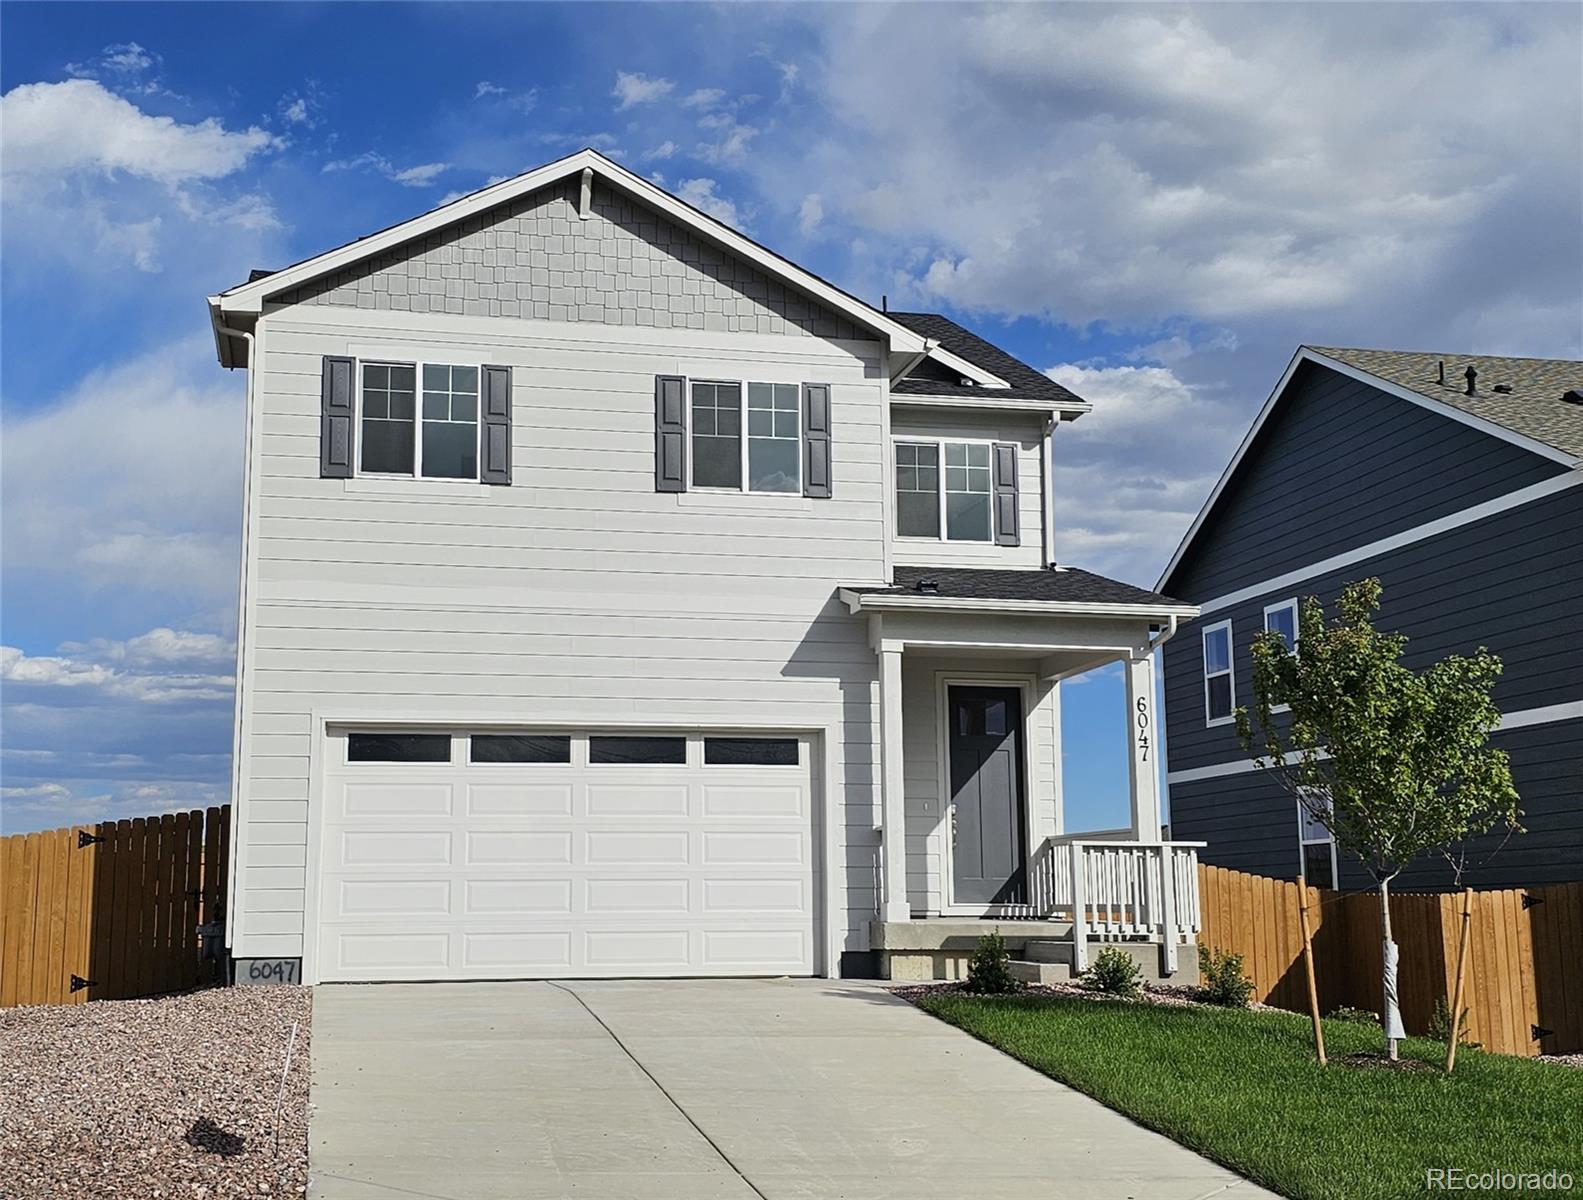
(1143, 729)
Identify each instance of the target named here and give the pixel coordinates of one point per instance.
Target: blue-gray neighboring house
(1456, 481)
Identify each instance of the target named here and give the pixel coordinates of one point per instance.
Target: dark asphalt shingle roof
(1534, 407)
(1066, 585)
(1026, 383)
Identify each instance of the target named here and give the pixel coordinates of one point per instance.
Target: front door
(985, 754)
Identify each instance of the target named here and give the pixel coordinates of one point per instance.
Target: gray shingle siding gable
(1510, 582)
(1339, 464)
(535, 258)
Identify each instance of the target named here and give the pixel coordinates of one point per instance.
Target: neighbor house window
(769, 458)
(961, 509)
(1316, 844)
(1219, 695)
(1282, 619)
(442, 442)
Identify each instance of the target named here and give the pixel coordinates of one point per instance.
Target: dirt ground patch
(173, 1097)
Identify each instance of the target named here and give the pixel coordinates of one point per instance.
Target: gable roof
(246, 300)
(1022, 381)
(1533, 415)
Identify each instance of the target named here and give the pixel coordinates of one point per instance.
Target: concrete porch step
(1049, 950)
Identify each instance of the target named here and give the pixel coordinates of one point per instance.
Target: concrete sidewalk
(674, 1090)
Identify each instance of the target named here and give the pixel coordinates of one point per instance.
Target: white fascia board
(892, 602)
(989, 403)
(1304, 354)
(961, 365)
(250, 297)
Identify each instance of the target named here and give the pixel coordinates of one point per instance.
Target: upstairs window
(1219, 693)
(395, 440)
(961, 508)
(1282, 619)
(769, 458)
(1316, 845)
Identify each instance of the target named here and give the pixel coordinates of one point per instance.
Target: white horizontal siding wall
(1027, 433)
(925, 785)
(577, 596)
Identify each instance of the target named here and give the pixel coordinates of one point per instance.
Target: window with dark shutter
(495, 464)
(670, 433)
(335, 418)
(1006, 532)
(816, 440)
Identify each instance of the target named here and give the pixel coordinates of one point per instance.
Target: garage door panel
(519, 800)
(503, 870)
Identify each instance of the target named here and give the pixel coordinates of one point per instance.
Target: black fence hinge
(84, 838)
(78, 983)
(1539, 1031)
(1529, 900)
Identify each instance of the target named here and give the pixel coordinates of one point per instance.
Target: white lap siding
(578, 596)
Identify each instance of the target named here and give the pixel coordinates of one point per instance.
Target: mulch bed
(1169, 995)
(172, 1097)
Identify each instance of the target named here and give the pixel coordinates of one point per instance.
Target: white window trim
(1230, 672)
(1304, 842)
(939, 444)
(417, 365)
(1278, 607)
(745, 475)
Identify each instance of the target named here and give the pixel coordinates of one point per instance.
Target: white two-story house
(621, 599)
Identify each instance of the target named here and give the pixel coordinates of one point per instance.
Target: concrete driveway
(689, 1090)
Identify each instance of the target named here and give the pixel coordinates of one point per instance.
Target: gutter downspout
(241, 622)
(1047, 472)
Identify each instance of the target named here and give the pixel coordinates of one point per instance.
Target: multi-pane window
(1316, 844)
(917, 489)
(388, 407)
(442, 442)
(774, 438)
(1219, 697)
(450, 422)
(961, 508)
(967, 480)
(717, 435)
(1282, 619)
(769, 459)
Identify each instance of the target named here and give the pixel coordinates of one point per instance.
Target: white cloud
(701, 194)
(58, 129)
(704, 98)
(29, 673)
(158, 647)
(810, 213)
(633, 88)
(420, 175)
(732, 138)
(131, 482)
(664, 150)
(485, 88)
(296, 111)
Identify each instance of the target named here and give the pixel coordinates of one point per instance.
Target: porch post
(893, 809)
(1143, 743)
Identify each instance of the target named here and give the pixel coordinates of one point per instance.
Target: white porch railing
(1118, 889)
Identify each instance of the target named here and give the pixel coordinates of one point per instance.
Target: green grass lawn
(1243, 1088)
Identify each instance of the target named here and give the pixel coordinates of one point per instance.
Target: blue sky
(1154, 204)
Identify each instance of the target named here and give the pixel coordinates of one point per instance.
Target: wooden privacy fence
(1524, 990)
(111, 911)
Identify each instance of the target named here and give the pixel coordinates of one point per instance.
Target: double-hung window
(958, 511)
(1282, 619)
(1316, 844)
(1219, 692)
(442, 442)
(768, 458)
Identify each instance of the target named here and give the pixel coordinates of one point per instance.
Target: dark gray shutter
(495, 463)
(670, 433)
(1006, 495)
(336, 418)
(816, 440)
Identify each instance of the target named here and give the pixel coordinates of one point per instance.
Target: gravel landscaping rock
(173, 1097)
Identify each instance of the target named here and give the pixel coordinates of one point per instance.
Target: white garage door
(497, 855)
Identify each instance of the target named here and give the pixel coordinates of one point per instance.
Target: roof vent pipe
(1442, 379)
(1472, 378)
(1504, 389)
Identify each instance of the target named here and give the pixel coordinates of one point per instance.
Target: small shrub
(1354, 1016)
(1221, 979)
(1440, 1025)
(989, 970)
(1113, 971)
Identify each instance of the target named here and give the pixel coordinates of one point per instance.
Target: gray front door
(985, 756)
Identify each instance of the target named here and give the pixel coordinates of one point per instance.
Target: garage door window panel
(637, 751)
(398, 748)
(750, 752)
(520, 748)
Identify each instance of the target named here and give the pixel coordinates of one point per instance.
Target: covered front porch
(972, 816)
